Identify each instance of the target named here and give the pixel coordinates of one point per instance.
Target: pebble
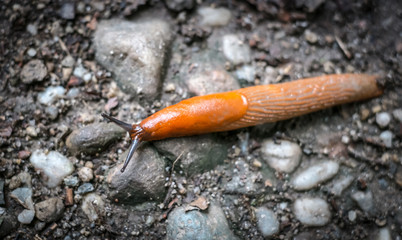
(386, 138)
(397, 113)
(26, 216)
(384, 234)
(339, 185)
(198, 153)
(2, 202)
(31, 52)
(243, 181)
(312, 211)
(135, 52)
(246, 73)
(352, 215)
(180, 5)
(85, 188)
(94, 138)
(54, 166)
(212, 82)
(315, 174)
(49, 210)
(50, 94)
(212, 224)
(52, 112)
(23, 196)
(71, 181)
(32, 29)
(23, 178)
(80, 71)
(398, 176)
(86, 174)
(235, 50)
(365, 201)
(283, 157)
(267, 222)
(214, 17)
(311, 37)
(33, 71)
(67, 11)
(383, 119)
(93, 206)
(68, 61)
(142, 181)
(31, 131)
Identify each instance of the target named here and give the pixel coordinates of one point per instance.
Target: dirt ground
(309, 39)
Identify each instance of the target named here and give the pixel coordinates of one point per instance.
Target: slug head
(135, 132)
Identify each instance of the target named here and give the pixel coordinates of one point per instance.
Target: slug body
(250, 106)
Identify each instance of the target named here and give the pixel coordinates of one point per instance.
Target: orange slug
(249, 106)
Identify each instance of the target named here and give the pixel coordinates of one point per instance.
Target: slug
(249, 106)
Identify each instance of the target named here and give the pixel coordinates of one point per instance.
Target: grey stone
(49, 210)
(143, 180)
(283, 157)
(212, 82)
(397, 113)
(2, 202)
(312, 211)
(51, 94)
(67, 11)
(386, 138)
(26, 216)
(236, 50)
(267, 222)
(23, 196)
(71, 181)
(211, 224)
(135, 52)
(383, 119)
(52, 112)
(180, 5)
(314, 175)
(93, 138)
(93, 206)
(8, 224)
(54, 166)
(85, 188)
(246, 73)
(214, 17)
(198, 153)
(243, 181)
(33, 71)
(68, 61)
(365, 201)
(23, 178)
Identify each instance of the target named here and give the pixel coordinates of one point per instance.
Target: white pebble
(53, 165)
(315, 175)
(31, 52)
(386, 138)
(364, 200)
(246, 73)
(397, 113)
(267, 221)
(341, 184)
(312, 211)
(214, 17)
(32, 29)
(93, 206)
(85, 174)
(26, 216)
(283, 157)
(79, 71)
(31, 131)
(50, 94)
(384, 234)
(87, 77)
(345, 139)
(235, 50)
(352, 215)
(383, 119)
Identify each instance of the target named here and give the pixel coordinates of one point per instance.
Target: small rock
(26, 216)
(311, 37)
(8, 224)
(212, 82)
(214, 17)
(93, 206)
(267, 222)
(341, 184)
(398, 176)
(71, 181)
(135, 51)
(52, 112)
(80, 71)
(283, 157)
(23, 196)
(86, 174)
(33, 71)
(31, 52)
(93, 138)
(365, 201)
(198, 153)
(312, 211)
(235, 50)
(22, 178)
(179, 5)
(383, 119)
(85, 188)
(201, 203)
(49, 210)
(386, 138)
(31, 131)
(54, 166)
(246, 73)
(352, 216)
(345, 139)
(50, 95)
(397, 113)
(142, 181)
(183, 225)
(67, 11)
(2, 202)
(243, 181)
(384, 234)
(32, 29)
(314, 175)
(68, 61)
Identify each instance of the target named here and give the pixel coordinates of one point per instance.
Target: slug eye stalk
(135, 134)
